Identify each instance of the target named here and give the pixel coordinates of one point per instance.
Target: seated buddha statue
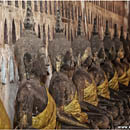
(82, 51)
(126, 45)
(119, 64)
(35, 107)
(111, 73)
(62, 89)
(100, 77)
(125, 60)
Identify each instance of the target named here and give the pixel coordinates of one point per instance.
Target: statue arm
(25, 112)
(89, 107)
(69, 120)
(106, 101)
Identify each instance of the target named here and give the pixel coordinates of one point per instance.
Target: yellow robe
(47, 118)
(103, 90)
(124, 79)
(90, 94)
(74, 109)
(113, 83)
(4, 119)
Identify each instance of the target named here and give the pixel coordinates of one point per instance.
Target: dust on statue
(35, 108)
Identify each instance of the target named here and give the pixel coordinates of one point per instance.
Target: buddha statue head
(109, 45)
(125, 44)
(97, 47)
(59, 48)
(29, 51)
(118, 44)
(81, 48)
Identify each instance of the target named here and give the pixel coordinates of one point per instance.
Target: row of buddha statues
(89, 87)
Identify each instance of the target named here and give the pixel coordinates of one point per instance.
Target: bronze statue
(101, 78)
(62, 89)
(35, 108)
(86, 87)
(120, 64)
(125, 61)
(112, 75)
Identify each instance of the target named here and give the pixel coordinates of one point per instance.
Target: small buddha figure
(35, 107)
(62, 89)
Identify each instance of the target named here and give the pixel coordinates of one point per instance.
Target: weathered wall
(45, 17)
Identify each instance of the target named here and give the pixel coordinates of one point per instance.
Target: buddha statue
(109, 69)
(126, 45)
(120, 64)
(101, 78)
(111, 73)
(83, 80)
(62, 89)
(125, 61)
(35, 107)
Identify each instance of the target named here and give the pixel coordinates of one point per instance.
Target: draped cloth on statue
(4, 119)
(128, 73)
(113, 83)
(103, 90)
(47, 118)
(90, 94)
(124, 79)
(74, 109)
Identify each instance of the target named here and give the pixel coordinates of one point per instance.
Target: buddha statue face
(27, 59)
(110, 53)
(35, 67)
(68, 61)
(120, 52)
(101, 55)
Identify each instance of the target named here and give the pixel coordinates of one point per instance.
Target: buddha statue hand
(93, 124)
(69, 120)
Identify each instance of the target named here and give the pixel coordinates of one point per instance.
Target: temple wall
(12, 16)
(45, 17)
